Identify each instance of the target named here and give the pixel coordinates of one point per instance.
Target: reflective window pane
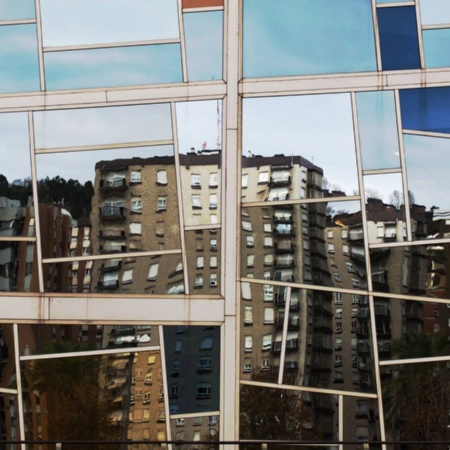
(426, 109)
(18, 270)
(203, 33)
(77, 22)
(133, 275)
(111, 396)
(17, 9)
(146, 64)
(18, 58)
(398, 38)
(199, 428)
(203, 249)
(434, 12)
(320, 157)
(436, 45)
(193, 368)
(289, 37)
(102, 126)
(378, 130)
(361, 420)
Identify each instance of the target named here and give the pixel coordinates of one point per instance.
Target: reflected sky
(17, 9)
(203, 33)
(124, 66)
(14, 141)
(378, 130)
(102, 125)
(434, 12)
(18, 58)
(319, 128)
(382, 186)
(427, 162)
(291, 37)
(436, 44)
(76, 22)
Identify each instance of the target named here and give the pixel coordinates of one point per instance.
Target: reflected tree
(417, 399)
(77, 405)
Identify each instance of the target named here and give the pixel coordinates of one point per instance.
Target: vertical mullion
(182, 41)
(40, 44)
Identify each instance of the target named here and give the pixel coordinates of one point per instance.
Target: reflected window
(162, 203)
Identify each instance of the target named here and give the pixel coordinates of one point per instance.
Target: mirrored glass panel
(436, 45)
(411, 329)
(19, 58)
(203, 34)
(392, 1)
(289, 414)
(111, 397)
(411, 389)
(107, 202)
(201, 428)
(77, 22)
(361, 419)
(298, 147)
(63, 338)
(426, 109)
(434, 12)
(203, 250)
(102, 126)
(399, 41)
(17, 9)
(193, 368)
(8, 378)
(9, 420)
(297, 38)
(415, 270)
(18, 271)
(428, 181)
(145, 64)
(133, 275)
(378, 130)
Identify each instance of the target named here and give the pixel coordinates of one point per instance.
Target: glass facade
(224, 220)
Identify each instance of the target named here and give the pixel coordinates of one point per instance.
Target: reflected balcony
(111, 249)
(280, 181)
(291, 345)
(414, 312)
(382, 311)
(322, 342)
(280, 299)
(323, 323)
(293, 322)
(284, 247)
(108, 187)
(321, 364)
(363, 348)
(278, 276)
(108, 284)
(283, 229)
(111, 266)
(291, 365)
(282, 218)
(356, 234)
(284, 262)
(112, 213)
(112, 234)
(363, 330)
(384, 349)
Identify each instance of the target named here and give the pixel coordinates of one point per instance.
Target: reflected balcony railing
(414, 314)
(280, 181)
(110, 186)
(363, 348)
(291, 345)
(356, 234)
(111, 266)
(284, 247)
(322, 342)
(291, 365)
(284, 262)
(112, 212)
(283, 230)
(108, 284)
(112, 234)
(384, 348)
(323, 323)
(280, 277)
(110, 249)
(362, 331)
(285, 218)
(382, 311)
(321, 364)
(279, 299)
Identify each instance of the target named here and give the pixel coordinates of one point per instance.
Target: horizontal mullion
(17, 22)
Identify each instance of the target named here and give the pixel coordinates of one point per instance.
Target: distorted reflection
(60, 338)
(18, 273)
(111, 397)
(292, 415)
(416, 397)
(419, 270)
(7, 358)
(203, 253)
(162, 274)
(77, 22)
(199, 428)
(9, 420)
(321, 152)
(193, 368)
(378, 131)
(361, 419)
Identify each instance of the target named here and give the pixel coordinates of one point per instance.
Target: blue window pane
(436, 44)
(299, 37)
(393, 1)
(203, 33)
(398, 38)
(17, 9)
(426, 109)
(113, 67)
(378, 130)
(19, 68)
(434, 12)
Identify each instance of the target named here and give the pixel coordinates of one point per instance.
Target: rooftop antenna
(218, 144)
